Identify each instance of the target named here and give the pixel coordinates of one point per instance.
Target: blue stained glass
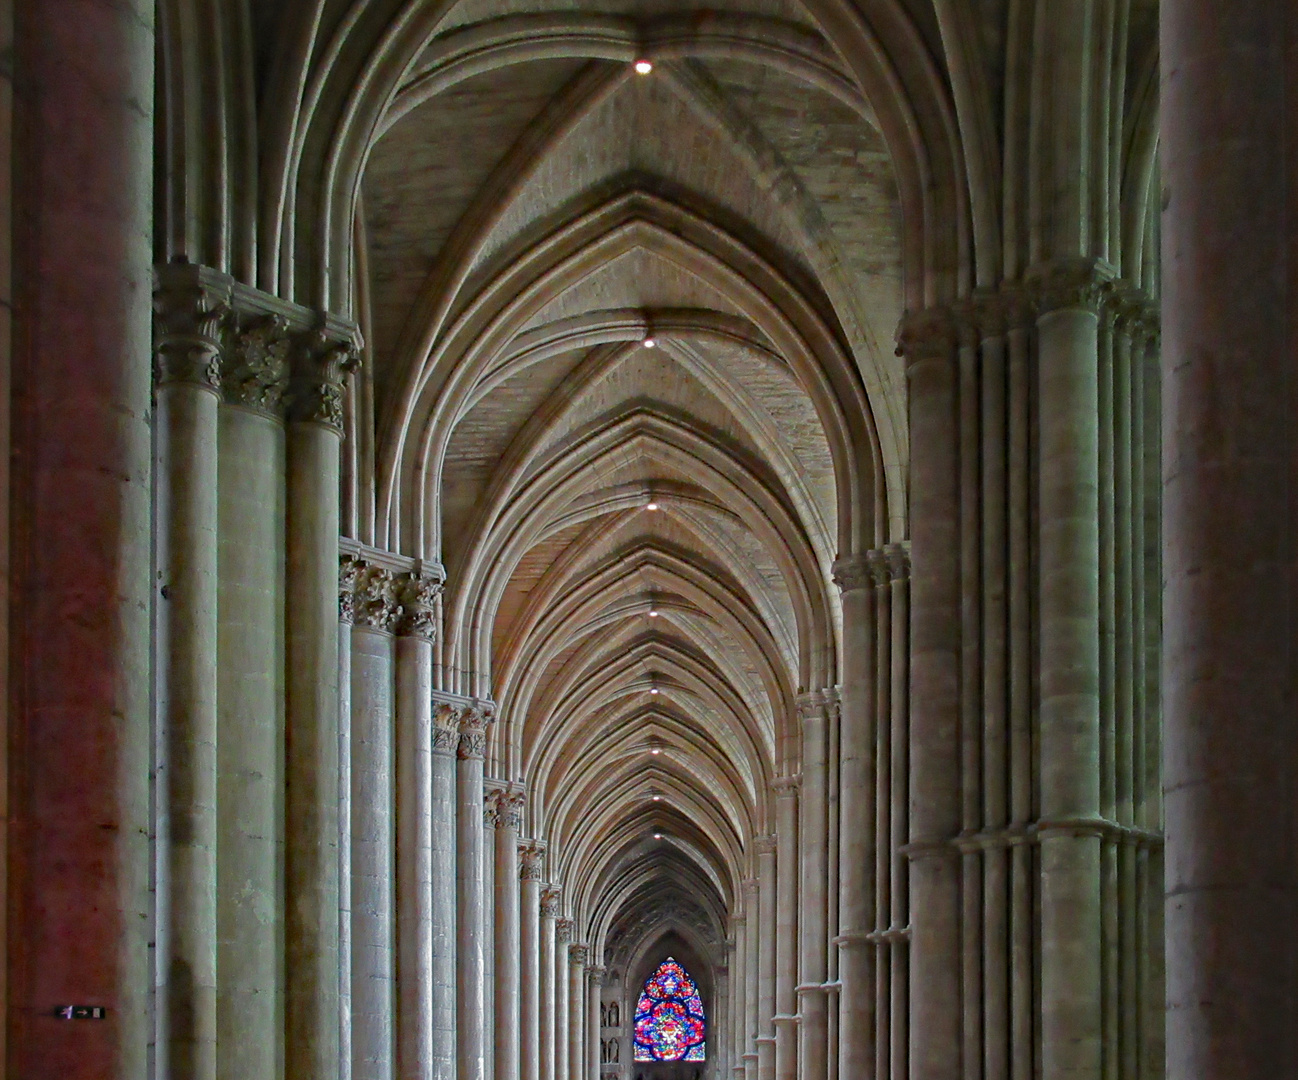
(669, 1021)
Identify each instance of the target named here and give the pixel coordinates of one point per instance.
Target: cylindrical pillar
(373, 826)
(595, 975)
(562, 1009)
(250, 749)
(577, 954)
(738, 984)
(766, 919)
(446, 739)
(78, 821)
(187, 399)
(349, 573)
(470, 926)
(1069, 651)
(935, 682)
(786, 921)
(813, 836)
(311, 684)
(856, 834)
(531, 857)
(505, 1011)
(1229, 182)
(753, 925)
(414, 826)
(548, 1003)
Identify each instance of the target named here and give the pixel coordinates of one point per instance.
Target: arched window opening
(669, 1021)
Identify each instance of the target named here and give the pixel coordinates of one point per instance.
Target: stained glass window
(669, 1020)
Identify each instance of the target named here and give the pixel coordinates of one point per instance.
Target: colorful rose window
(669, 1020)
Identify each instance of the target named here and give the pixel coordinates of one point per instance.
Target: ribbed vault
(631, 386)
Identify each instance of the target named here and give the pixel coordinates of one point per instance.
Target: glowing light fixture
(653, 690)
(655, 750)
(651, 506)
(653, 613)
(643, 67)
(658, 836)
(658, 798)
(649, 343)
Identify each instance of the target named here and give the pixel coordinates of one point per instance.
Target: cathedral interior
(551, 540)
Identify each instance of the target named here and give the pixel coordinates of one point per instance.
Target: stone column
(562, 1010)
(373, 828)
(319, 363)
(752, 938)
(414, 825)
(1069, 604)
(250, 697)
(190, 305)
(79, 821)
(767, 920)
(446, 739)
(470, 927)
(858, 810)
(934, 1004)
(548, 998)
(509, 819)
(786, 921)
(531, 857)
(577, 1055)
(595, 975)
(813, 1031)
(1229, 421)
(349, 572)
(739, 1014)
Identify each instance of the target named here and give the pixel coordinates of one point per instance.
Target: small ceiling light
(658, 798)
(649, 343)
(658, 836)
(643, 67)
(655, 750)
(651, 506)
(653, 690)
(653, 613)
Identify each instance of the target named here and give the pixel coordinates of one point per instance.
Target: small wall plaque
(81, 1012)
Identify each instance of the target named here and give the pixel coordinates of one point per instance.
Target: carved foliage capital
(418, 598)
(578, 953)
(257, 365)
(446, 728)
(1084, 284)
(511, 809)
(852, 572)
(473, 733)
(349, 572)
(563, 931)
(376, 604)
(531, 860)
(898, 558)
(190, 306)
(321, 360)
(550, 897)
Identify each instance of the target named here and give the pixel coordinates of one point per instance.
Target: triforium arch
(610, 482)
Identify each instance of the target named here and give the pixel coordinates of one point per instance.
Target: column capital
(786, 787)
(578, 953)
(417, 594)
(473, 732)
(932, 334)
(531, 860)
(349, 572)
(510, 802)
(322, 359)
(818, 703)
(376, 606)
(596, 972)
(1070, 284)
(190, 305)
(563, 931)
(764, 844)
(446, 728)
(852, 572)
(898, 559)
(491, 809)
(550, 897)
(256, 370)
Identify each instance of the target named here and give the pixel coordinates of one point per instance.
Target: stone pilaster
(470, 926)
(531, 863)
